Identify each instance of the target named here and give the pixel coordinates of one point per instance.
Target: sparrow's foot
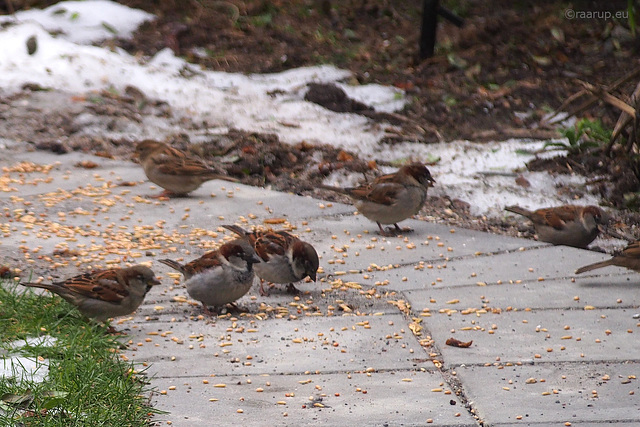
(166, 195)
(112, 331)
(206, 310)
(237, 309)
(263, 292)
(291, 289)
(393, 232)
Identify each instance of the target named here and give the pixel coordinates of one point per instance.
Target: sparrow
(218, 277)
(391, 198)
(174, 170)
(628, 258)
(283, 258)
(568, 225)
(106, 293)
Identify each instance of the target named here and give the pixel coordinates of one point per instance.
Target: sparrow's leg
(291, 289)
(262, 291)
(166, 194)
(206, 310)
(392, 232)
(383, 232)
(403, 229)
(238, 309)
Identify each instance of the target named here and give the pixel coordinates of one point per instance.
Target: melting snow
(481, 174)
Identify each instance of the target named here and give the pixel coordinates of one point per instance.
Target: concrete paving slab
(433, 243)
(248, 346)
(527, 265)
(398, 398)
(554, 393)
(537, 336)
(601, 292)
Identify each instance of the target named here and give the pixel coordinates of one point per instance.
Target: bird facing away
(568, 225)
(107, 293)
(628, 258)
(174, 170)
(218, 277)
(284, 258)
(391, 198)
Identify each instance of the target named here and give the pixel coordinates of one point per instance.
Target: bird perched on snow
(568, 225)
(391, 198)
(284, 258)
(174, 170)
(218, 277)
(628, 258)
(107, 293)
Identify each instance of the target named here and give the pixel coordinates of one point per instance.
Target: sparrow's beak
(312, 276)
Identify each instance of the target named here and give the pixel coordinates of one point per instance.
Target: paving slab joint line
(564, 309)
(436, 260)
(581, 422)
(457, 387)
(546, 362)
(452, 381)
(600, 275)
(433, 370)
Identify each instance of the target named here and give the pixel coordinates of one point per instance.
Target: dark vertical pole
(428, 30)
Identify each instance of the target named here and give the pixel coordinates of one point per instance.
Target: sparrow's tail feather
(215, 175)
(518, 210)
(171, 263)
(236, 229)
(39, 285)
(336, 189)
(595, 265)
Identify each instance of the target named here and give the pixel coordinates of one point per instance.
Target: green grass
(88, 383)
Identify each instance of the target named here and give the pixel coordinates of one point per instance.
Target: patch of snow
(84, 22)
(23, 368)
(482, 174)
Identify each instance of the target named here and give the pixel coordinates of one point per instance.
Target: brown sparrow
(628, 258)
(568, 225)
(106, 293)
(173, 169)
(218, 277)
(391, 198)
(284, 258)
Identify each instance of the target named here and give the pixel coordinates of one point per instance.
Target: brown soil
(495, 78)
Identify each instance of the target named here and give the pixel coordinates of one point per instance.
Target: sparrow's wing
(382, 194)
(205, 262)
(269, 244)
(182, 166)
(558, 217)
(101, 285)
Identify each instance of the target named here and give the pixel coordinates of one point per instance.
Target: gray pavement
(364, 343)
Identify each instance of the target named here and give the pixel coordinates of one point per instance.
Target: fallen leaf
(457, 343)
(523, 182)
(343, 156)
(87, 164)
